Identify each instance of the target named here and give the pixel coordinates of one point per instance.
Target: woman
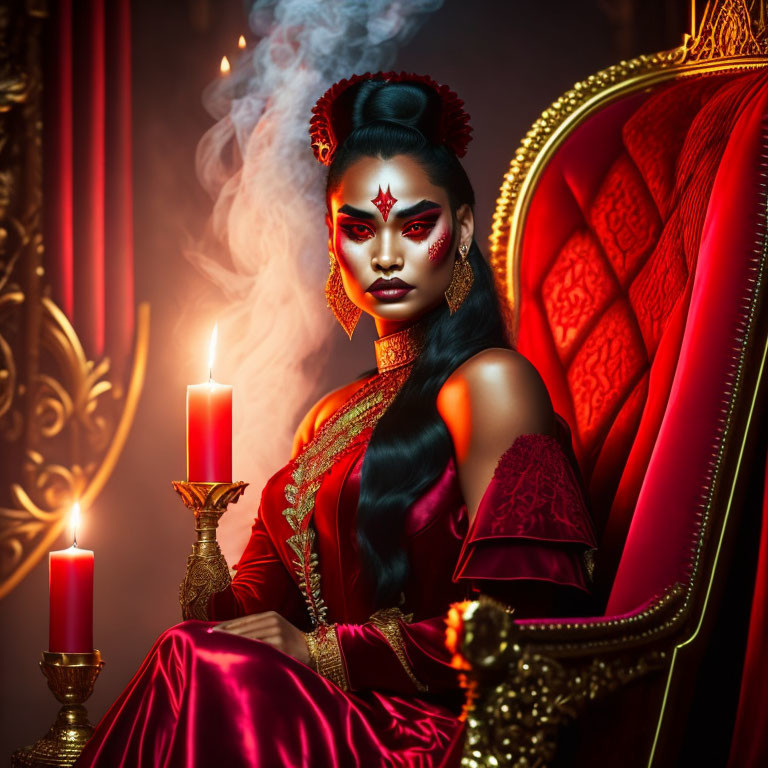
(442, 473)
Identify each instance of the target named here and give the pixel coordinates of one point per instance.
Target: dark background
(507, 59)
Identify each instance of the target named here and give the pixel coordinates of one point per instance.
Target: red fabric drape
(88, 181)
(749, 745)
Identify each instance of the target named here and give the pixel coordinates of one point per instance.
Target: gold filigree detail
(340, 433)
(728, 29)
(207, 571)
(215, 497)
(205, 576)
(386, 620)
(80, 406)
(400, 348)
(325, 655)
(518, 697)
(71, 677)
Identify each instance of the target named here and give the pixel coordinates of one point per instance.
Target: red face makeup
(393, 252)
(384, 202)
(438, 248)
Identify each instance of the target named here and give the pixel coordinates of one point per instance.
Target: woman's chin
(399, 311)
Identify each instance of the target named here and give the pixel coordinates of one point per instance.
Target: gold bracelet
(325, 655)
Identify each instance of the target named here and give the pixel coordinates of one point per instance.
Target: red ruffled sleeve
(533, 521)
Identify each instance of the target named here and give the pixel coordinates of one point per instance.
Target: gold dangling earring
(340, 304)
(461, 280)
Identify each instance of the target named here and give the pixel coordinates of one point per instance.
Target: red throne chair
(630, 242)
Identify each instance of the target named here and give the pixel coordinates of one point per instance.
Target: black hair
(410, 445)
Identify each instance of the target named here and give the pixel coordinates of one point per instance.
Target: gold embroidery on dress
(340, 432)
(386, 621)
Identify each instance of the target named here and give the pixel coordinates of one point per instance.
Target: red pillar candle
(70, 573)
(209, 429)
(209, 433)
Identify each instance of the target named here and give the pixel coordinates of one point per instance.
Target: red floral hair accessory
(328, 128)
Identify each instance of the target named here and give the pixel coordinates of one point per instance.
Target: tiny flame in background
(241, 42)
(224, 67)
(212, 350)
(74, 521)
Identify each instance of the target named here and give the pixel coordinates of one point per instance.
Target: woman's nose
(387, 255)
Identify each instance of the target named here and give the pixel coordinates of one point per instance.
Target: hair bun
(427, 106)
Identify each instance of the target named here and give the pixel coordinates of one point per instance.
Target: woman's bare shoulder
(321, 410)
(496, 390)
(486, 404)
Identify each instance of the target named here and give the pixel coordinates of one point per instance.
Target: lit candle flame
(74, 518)
(212, 351)
(224, 66)
(241, 42)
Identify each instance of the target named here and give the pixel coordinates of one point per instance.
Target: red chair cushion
(609, 254)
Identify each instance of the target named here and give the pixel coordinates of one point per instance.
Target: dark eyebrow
(415, 210)
(406, 213)
(356, 212)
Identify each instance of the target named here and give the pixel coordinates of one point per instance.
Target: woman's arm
(486, 403)
(261, 582)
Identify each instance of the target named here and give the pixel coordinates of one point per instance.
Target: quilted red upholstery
(609, 255)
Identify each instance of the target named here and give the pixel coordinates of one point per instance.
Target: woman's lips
(389, 290)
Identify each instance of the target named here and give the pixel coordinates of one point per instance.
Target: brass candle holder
(207, 570)
(71, 677)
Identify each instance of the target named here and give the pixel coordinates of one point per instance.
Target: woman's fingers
(252, 620)
(256, 627)
(269, 627)
(271, 639)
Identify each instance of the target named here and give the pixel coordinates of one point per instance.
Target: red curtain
(87, 178)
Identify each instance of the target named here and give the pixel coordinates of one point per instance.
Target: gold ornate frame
(64, 419)
(524, 681)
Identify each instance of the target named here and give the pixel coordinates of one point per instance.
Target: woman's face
(393, 235)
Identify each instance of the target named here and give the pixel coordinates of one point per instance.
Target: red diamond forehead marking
(384, 202)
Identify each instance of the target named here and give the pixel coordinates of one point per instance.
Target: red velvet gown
(204, 698)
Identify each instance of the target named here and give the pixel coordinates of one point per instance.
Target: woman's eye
(358, 232)
(418, 230)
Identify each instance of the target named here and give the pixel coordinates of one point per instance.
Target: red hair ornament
(330, 125)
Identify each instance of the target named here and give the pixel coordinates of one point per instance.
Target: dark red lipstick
(389, 290)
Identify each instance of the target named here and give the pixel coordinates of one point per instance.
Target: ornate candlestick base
(207, 570)
(71, 677)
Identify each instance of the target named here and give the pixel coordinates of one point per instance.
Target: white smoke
(268, 217)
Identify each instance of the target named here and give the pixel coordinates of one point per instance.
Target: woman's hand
(272, 628)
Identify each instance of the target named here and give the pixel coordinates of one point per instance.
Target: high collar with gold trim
(400, 348)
